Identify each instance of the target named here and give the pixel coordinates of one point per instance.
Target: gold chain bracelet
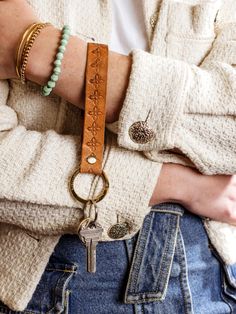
(21, 48)
(24, 47)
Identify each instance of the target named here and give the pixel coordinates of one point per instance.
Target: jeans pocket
(51, 295)
(229, 285)
(228, 280)
(153, 255)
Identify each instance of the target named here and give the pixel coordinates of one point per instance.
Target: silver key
(90, 236)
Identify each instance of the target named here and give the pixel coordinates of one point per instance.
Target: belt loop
(153, 255)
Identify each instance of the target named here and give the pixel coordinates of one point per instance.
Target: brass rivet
(91, 160)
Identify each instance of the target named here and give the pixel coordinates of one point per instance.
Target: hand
(16, 16)
(209, 196)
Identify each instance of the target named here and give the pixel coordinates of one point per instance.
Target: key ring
(95, 212)
(98, 198)
(84, 223)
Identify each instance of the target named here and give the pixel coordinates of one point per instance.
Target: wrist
(189, 187)
(176, 183)
(42, 57)
(118, 77)
(40, 65)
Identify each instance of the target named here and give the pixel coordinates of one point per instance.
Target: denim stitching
(222, 292)
(173, 207)
(66, 301)
(161, 263)
(187, 297)
(145, 242)
(137, 257)
(57, 302)
(171, 261)
(61, 270)
(168, 212)
(166, 261)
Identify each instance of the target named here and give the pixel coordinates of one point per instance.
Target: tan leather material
(95, 108)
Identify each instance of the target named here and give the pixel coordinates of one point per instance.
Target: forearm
(176, 183)
(71, 83)
(207, 196)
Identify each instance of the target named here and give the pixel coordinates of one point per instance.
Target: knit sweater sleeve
(191, 109)
(35, 168)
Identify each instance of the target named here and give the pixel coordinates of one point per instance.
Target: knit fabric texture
(186, 83)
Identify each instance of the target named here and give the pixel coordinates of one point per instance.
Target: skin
(208, 196)
(72, 72)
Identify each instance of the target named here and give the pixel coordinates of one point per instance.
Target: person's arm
(31, 161)
(73, 69)
(35, 168)
(208, 196)
(42, 55)
(189, 105)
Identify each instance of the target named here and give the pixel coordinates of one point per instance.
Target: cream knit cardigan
(187, 82)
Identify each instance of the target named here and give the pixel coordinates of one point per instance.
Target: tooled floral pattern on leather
(96, 81)
(95, 107)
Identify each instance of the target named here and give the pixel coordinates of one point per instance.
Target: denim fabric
(153, 257)
(51, 295)
(229, 286)
(168, 268)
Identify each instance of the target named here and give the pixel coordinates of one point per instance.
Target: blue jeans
(168, 268)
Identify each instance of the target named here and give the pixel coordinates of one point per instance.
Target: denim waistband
(166, 259)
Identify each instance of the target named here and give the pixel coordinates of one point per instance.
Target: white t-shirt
(128, 27)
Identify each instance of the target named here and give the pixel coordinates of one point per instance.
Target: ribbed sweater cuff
(157, 88)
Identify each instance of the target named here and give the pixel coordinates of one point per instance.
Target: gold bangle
(20, 48)
(25, 46)
(29, 44)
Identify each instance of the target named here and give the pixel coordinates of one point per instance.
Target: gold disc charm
(118, 230)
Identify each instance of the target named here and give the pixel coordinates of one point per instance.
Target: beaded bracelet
(47, 89)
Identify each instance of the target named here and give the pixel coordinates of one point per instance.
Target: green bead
(54, 78)
(57, 70)
(64, 42)
(57, 62)
(46, 91)
(66, 32)
(46, 94)
(66, 36)
(51, 84)
(66, 27)
(62, 49)
(60, 56)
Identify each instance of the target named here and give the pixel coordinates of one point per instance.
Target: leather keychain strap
(95, 109)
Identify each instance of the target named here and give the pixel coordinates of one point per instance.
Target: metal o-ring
(95, 212)
(84, 223)
(98, 198)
